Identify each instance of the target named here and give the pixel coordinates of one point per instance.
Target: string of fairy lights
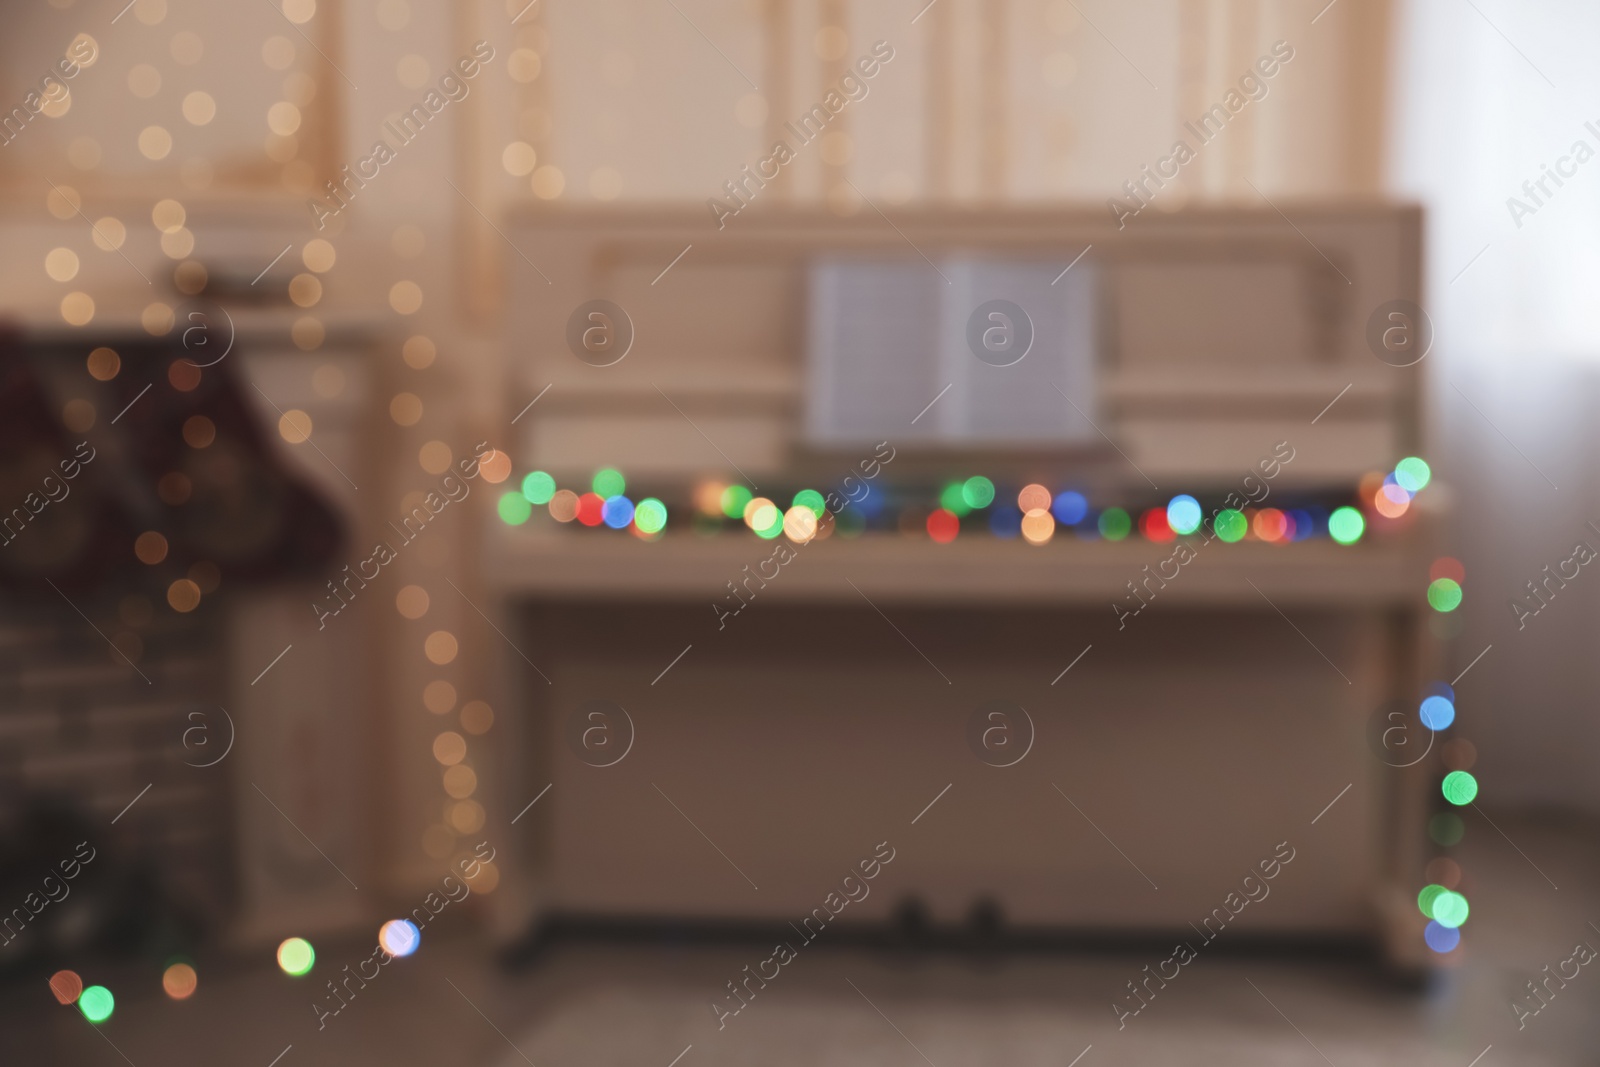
(295, 956)
(969, 506)
(974, 505)
(1441, 900)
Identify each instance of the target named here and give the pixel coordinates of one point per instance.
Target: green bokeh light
(1412, 474)
(1230, 525)
(1459, 788)
(1444, 594)
(978, 491)
(810, 498)
(1425, 899)
(514, 509)
(953, 498)
(1446, 829)
(1346, 526)
(608, 482)
(774, 528)
(734, 498)
(1114, 524)
(96, 1003)
(1450, 909)
(650, 516)
(295, 956)
(850, 522)
(538, 487)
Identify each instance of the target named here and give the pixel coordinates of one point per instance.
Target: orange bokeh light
(564, 505)
(66, 985)
(495, 467)
(1038, 526)
(1033, 497)
(1270, 524)
(1391, 501)
(179, 981)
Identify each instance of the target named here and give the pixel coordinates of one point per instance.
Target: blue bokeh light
(617, 512)
(1441, 939)
(1005, 522)
(1069, 508)
(1183, 514)
(1437, 713)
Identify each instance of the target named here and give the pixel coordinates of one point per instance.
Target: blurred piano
(1180, 748)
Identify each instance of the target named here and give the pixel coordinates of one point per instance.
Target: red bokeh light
(1154, 525)
(943, 526)
(590, 506)
(1270, 524)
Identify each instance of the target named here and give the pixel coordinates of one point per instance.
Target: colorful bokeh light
(1450, 909)
(608, 482)
(1427, 897)
(650, 516)
(1305, 524)
(1459, 788)
(734, 500)
(759, 513)
(97, 1003)
(564, 505)
(810, 498)
(1444, 594)
(1271, 525)
(800, 524)
(768, 521)
(295, 956)
(1033, 497)
(617, 512)
(1441, 939)
(179, 981)
(1446, 829)
(1005, 522)
(591, 509)
(399, 937)
(977, 491)
(1437, 713)
(1391, 501)
(514, 509)
(538, 487)
(1412, 474)
(1183, 514)
(943, 526)
(1115, 524)
(1069, 507)
(1230, 525)
(708, 498)
(1346, 526)
(1153, 524)
(66, 985)
(952, 498)
(1038, 527)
